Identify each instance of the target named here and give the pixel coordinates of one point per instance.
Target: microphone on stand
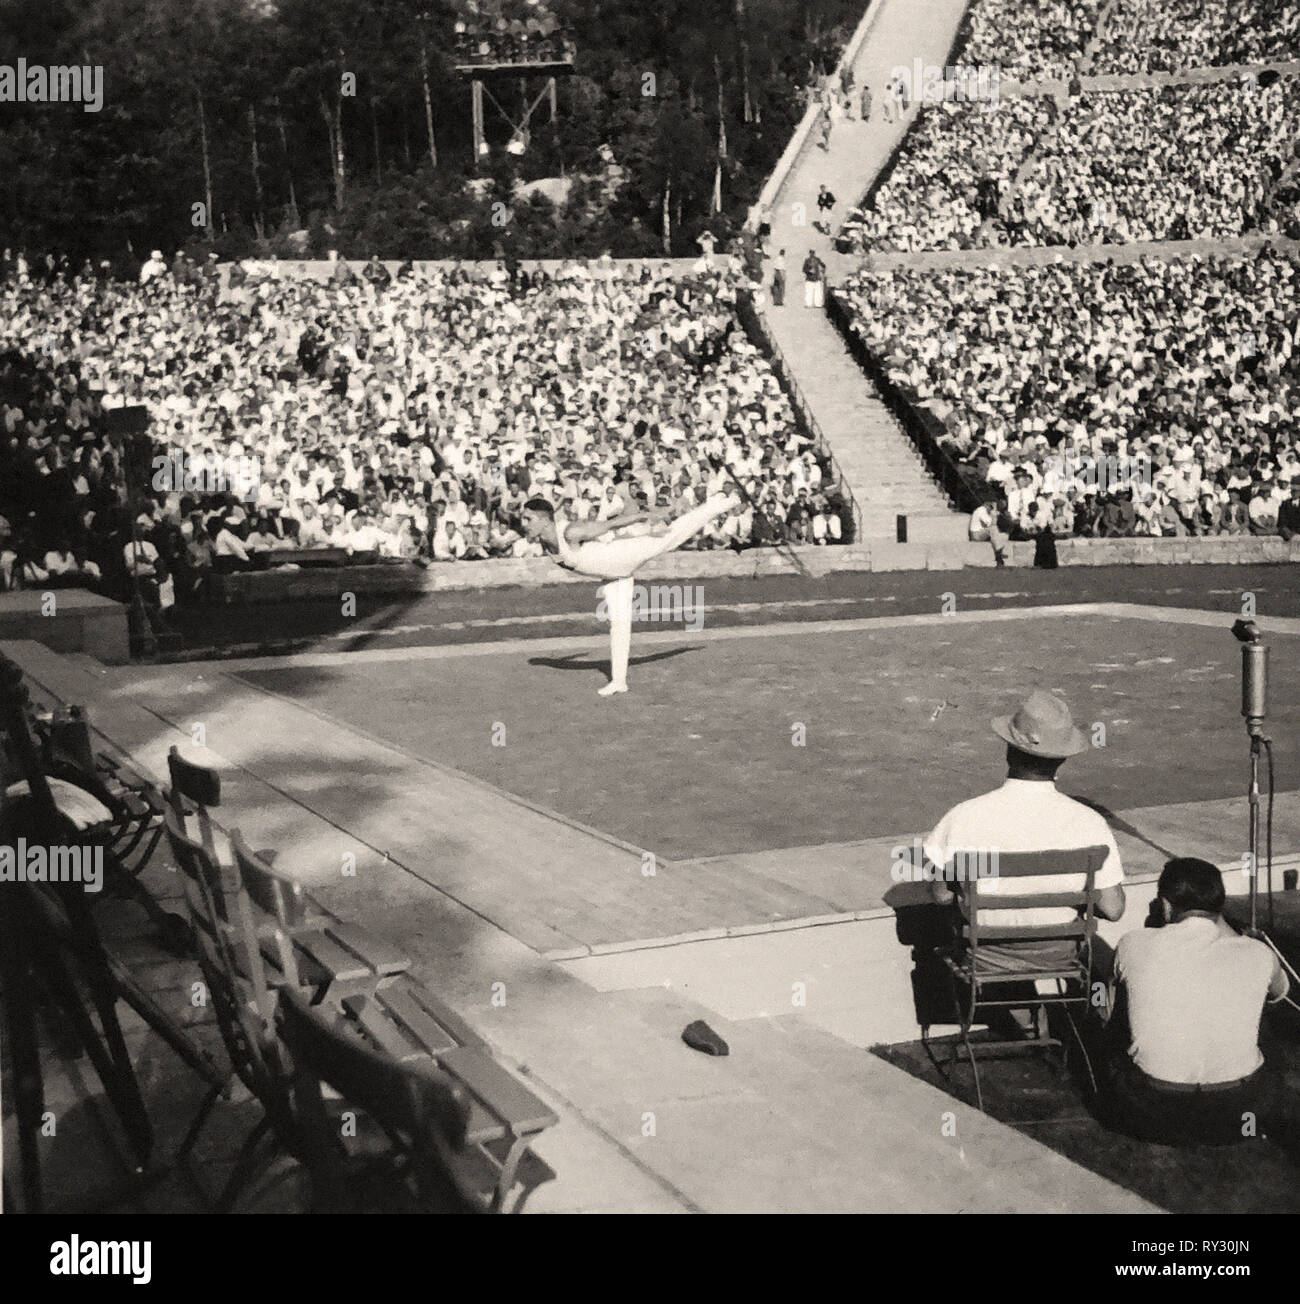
(1254, 708)
(1254, 675)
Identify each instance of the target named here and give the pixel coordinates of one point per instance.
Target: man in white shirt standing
(153, 267)
(1027, 813)
(1190, 995)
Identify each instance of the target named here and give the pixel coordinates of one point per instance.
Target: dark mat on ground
(754, 744)
(474, 615)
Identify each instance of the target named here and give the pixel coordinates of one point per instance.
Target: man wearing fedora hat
(1026, 814)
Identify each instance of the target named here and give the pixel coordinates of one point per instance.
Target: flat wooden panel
(1030, 901)
(381, 955)
(426, 1030)
(335, 960)
(381, 1029)
(440, 1011)
(498, 1089)
(1029, 864)
(1043, 932)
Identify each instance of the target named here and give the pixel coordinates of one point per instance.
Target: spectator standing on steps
(1288, 514)
(778, 279)
(814, 273)
(893, 100)
(825, 141)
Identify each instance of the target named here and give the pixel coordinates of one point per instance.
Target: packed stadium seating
(1179, 163)
(1098, 395)
(1053, 38)
(408, 416)
(1152, 397)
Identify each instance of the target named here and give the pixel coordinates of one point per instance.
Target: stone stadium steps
(881, 465)
(878, 460)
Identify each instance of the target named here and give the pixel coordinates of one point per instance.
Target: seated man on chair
(1027, 813)
(1190, 996)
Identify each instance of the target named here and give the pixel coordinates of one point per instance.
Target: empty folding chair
(422, 1115)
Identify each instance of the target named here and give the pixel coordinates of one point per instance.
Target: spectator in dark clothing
(377, 274)
(1288, 514)
(798, 520)
(1117, 517)
(1040, 530)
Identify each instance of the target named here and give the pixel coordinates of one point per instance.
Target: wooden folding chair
(422, 1112)
(990, 956)
(50, 932)
(137, 804)
(229, 953)
(194, 789)
(332, 955)
(134, 827)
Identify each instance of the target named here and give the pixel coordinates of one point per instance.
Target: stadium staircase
(879, 461)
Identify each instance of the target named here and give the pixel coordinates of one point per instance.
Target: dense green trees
(234, 123)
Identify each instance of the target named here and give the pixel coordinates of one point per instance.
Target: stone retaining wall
(1164, 552)
(533, 572)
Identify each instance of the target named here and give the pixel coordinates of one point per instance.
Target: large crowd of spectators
(508, 31)
(1180, 163)
(1043, 40)
(405, 415)
(1053, 39)
(1151, 398)
(950, 175)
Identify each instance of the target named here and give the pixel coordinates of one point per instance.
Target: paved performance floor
(821, 735)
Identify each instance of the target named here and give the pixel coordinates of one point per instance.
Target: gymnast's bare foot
(611, 688)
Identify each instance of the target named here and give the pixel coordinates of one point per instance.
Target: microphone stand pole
(1256, 747)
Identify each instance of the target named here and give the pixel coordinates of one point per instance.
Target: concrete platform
(67, 620)
(796, 1119)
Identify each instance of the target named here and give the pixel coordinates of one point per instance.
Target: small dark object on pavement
(699, 1036)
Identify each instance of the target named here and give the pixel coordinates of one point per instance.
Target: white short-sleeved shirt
(1025, 815)
(1196, 990)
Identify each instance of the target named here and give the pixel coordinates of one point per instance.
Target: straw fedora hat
(1041, 726)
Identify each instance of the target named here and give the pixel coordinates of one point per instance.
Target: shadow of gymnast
(571, 662)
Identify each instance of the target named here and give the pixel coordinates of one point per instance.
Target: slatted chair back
(235, 975)
(980, 907)
(277, 894)
(200, 786)
(204, 889)
(275, 904)
(425, 1112)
